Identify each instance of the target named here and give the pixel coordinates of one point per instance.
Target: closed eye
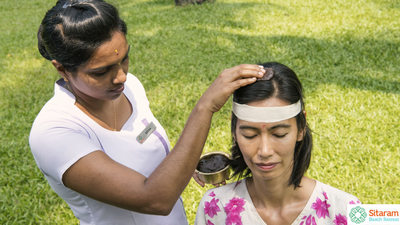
(102, 73)
(280, 136)
(250, 137)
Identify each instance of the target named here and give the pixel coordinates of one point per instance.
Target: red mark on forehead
(263, 126)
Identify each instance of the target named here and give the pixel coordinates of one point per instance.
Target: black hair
(71, 33)
(286, 86)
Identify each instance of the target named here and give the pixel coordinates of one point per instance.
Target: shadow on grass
(209, 36)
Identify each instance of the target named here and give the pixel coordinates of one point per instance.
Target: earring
(65, 79)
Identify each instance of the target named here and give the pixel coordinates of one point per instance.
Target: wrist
(202, 109)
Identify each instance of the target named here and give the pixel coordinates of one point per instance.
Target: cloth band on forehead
(265, 114)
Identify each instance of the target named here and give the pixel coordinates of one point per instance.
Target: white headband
(265, 114)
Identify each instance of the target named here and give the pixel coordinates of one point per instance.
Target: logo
(358, 215)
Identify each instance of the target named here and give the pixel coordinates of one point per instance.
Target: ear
(60, 69)
(234, 133)
(234, 136)
(300, 135)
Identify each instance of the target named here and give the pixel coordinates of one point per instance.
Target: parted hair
(286, 86)
(71, 34)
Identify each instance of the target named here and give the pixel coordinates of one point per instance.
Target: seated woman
(271, 149)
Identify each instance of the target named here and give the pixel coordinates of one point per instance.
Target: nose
(266, 148)
(121, 75)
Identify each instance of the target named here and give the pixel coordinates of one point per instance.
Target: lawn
(346, 53)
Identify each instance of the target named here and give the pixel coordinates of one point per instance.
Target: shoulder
(58, 117)
(59, 109)
(226, 204)
(235, 191)
(134, 88)
(335, 194)
(327, 205)
(133, 81)
(228, 190)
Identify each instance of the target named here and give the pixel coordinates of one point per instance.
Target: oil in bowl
(213, 167)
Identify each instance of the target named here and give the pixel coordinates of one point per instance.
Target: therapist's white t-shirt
(62, 134)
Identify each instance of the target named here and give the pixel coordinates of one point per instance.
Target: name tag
(146, 133)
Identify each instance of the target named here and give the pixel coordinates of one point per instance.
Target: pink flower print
(326, 196)
(233, 218)
(209, 222)
(302, 222)
(310, 220)
(235, 205)
(212, 194)
(211, 208)
(321, 208)
(340, 220)
(233, 210)
(353, 203)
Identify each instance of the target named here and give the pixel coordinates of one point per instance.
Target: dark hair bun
(41, 47)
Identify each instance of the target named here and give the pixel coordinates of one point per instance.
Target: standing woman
(96, 141)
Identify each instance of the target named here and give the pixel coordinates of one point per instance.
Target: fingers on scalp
(246, 73)
(240, 67)
(251, 67)
(243, 82)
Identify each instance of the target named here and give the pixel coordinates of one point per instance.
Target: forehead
(106, 54)
(270, 102)
(260, 125)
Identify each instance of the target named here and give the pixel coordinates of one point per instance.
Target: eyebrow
(246, 127)
(104, 67)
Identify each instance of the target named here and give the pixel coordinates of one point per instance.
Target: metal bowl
(214, 177)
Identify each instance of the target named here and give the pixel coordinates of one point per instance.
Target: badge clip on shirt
(146, 133)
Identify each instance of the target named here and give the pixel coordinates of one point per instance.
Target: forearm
(175, 172)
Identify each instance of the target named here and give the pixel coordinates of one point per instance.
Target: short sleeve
(57, 144)
(139, 91)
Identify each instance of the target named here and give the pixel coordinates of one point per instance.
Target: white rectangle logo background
(373, 214)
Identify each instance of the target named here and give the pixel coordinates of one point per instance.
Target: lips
(118, 90)
(266, 166)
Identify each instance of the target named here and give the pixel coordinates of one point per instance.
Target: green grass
(346, 54)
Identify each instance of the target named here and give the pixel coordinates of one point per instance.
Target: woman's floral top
(231, 205)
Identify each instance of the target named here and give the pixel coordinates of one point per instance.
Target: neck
(271, 193)
(97, 105)
(97, 108)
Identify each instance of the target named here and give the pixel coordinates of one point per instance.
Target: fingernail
(261, 67)
(261, 73)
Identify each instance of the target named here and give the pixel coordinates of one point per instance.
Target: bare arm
(101, 178)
